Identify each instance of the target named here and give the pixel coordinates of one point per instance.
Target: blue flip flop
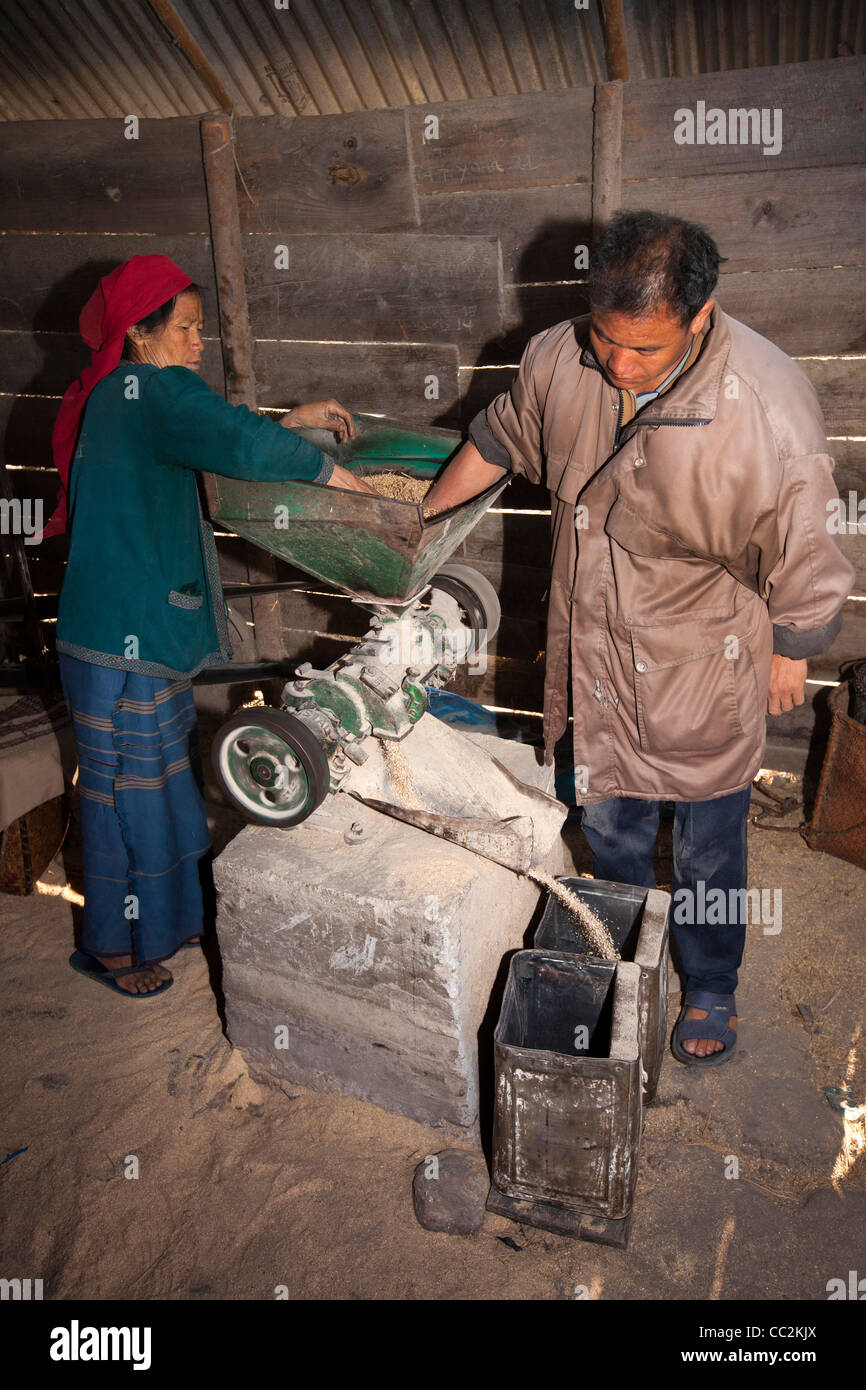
(714, 1027)
(88, 965)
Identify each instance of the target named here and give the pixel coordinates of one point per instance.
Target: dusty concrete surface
(356, 949)
(241, 1188)
(363, 967)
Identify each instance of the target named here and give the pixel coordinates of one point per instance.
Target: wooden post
(606, 153)
(237, 343)
(225, 229)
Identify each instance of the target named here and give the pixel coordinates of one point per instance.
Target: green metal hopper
(370, 547)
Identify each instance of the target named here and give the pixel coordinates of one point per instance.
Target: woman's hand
(341, 477)
(321, 415)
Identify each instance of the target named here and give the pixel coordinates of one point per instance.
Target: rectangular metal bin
(638, 921)
(569, 1106)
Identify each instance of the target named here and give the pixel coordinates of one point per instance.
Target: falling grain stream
(597, 933)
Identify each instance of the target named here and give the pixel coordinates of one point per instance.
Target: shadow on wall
(27, 437)
(65, 355)
(549, 290)
(26, 441)
(31, 420)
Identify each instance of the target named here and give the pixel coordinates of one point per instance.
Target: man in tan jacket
(692, 572)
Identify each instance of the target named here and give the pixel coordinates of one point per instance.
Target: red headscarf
(123, 298)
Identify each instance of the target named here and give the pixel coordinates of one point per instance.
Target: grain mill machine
(427, 617)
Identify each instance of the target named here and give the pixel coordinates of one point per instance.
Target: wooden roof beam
(166, 12)
(615, 49)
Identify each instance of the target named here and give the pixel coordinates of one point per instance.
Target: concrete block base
(359, 956)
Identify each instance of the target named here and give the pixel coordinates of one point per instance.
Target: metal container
(371, 547)
(569, 1105)
(638, 921)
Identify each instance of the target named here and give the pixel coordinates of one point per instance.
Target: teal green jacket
(142, 588)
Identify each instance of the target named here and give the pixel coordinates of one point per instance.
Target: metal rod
(14, 610)
(19, 673)
(244, 671)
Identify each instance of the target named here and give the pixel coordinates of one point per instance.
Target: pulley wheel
(476, 596)
(271, 766)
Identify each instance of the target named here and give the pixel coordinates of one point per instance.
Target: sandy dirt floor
(242, 1188)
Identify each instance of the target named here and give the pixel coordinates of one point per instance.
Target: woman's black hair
(645, 261)
(158, 318)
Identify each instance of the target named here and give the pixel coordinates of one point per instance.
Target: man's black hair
(646, 261)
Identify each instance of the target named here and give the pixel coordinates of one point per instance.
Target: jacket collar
(694, 395)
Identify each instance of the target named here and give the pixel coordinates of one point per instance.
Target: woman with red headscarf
(141, 609)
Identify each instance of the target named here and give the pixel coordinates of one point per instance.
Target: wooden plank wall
(383, 247)
(501, 195)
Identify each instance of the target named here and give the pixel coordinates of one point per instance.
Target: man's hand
(787, 684)
(321, 415)
(341, 477)
(466, 476)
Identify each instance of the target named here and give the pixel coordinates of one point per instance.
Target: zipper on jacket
(616, 441)
(685, 423)
(638, 422)
(604, 696)
(635, 420)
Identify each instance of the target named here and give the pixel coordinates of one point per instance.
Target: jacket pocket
(639, 537)
(561, 479)
(180, 600)
(694, 685)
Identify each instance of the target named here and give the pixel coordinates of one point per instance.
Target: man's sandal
(88, 965)
(714, 1028)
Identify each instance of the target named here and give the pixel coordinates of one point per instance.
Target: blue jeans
(709, 853)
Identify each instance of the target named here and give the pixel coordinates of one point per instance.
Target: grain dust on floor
(149, 1164)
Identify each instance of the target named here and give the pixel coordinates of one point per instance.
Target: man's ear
(701, 316)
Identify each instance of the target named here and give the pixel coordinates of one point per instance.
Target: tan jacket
(688, 545)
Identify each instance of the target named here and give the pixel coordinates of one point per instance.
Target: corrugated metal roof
(92, 58)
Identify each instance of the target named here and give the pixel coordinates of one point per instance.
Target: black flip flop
(88, 965)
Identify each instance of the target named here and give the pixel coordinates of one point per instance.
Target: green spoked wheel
(271, 766)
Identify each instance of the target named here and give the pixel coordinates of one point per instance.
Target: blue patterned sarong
(146, 846)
